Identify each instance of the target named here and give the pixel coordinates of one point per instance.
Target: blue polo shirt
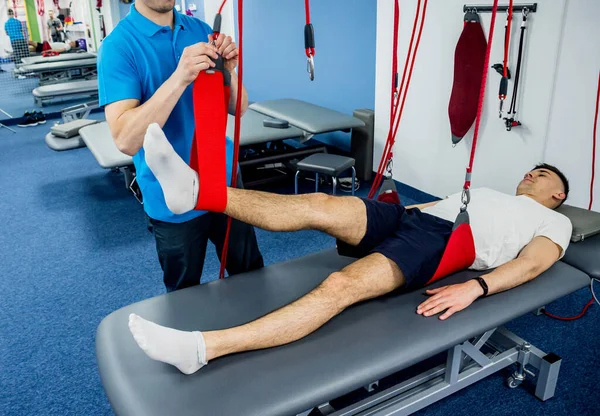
(134, 60)
(14, 29)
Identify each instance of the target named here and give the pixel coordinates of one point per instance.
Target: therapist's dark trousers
(182, 247)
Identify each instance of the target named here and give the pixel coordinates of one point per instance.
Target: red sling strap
(469, 58)
(460, 250)
(211, 91)
(211, 99)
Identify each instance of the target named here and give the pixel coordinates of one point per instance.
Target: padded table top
(66, 88)
(57, 66)
(98, 139)
(364, 343)
(72, 56)
(253, 131)
(585, 255)
(306, 116)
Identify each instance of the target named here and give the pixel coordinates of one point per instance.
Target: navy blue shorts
(414, 240)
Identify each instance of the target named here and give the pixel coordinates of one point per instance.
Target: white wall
(572, 117)
(211, 7)
(424, 157)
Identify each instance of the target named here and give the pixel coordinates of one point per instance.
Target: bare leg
(343, 217)
(364, 279)
(189, 351)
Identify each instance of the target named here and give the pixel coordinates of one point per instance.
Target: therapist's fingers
(200, 49)
(219, 41)
(230, 51)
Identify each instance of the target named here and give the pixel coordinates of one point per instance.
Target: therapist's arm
(128, 120)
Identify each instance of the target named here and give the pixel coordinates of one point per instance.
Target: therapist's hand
(451, 299)
(195, 58)
(228, 50)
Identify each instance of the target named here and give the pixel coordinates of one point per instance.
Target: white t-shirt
(60, 45)
(503, 224)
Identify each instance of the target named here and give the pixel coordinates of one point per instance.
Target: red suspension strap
(460, 250)
(467, 184)
(398, 107)
(236, 134)
(309, 42)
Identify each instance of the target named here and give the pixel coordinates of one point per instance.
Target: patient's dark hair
(11, 12)
(561, 175)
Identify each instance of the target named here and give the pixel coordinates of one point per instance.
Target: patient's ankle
(212, 342)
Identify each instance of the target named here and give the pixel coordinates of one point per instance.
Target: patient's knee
(339, 288)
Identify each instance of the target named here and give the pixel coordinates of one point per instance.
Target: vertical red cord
(482, 90)
(221, 8)
(397, 111)
(594, 146)
(394, 61)
(236, 135)
(307, 9)
(507, 39)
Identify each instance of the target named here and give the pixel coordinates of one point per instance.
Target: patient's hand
(451, 299)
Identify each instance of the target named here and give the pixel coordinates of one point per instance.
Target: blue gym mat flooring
(75, 248)
(16, 97)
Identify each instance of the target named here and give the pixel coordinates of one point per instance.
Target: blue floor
(75, 248)
(16, 97)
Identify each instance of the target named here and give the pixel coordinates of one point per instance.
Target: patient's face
(544, 185)
(160, 6)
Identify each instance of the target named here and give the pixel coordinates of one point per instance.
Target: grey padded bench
(66, 136)
(327, 164)
(46, 93)
(309, 117)
(69, 56)
(363, 344)
(98, 139)
(253, 130)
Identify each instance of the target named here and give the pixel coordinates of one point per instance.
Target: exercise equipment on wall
(469, 57)
(502, 68)
(511, 119)
(101, 18)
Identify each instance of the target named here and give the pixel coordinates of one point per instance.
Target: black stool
(326, 164)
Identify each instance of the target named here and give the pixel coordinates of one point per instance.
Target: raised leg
(343, 217)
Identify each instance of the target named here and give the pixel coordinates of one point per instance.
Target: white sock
(185, 350)
(178, 181)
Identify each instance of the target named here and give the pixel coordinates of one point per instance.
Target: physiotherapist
(146, 67)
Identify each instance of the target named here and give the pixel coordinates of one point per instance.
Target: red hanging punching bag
(469, 57)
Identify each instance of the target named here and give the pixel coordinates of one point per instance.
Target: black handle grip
(503, 86)
(217, 25)
(309, 36)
